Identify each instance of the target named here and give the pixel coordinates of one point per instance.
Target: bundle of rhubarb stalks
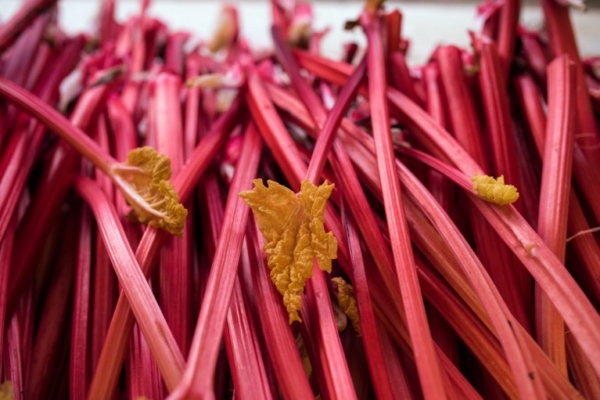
(191, 218)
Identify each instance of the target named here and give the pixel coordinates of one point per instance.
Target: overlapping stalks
(459, 237)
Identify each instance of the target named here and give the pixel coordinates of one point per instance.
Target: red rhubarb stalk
(57, 123)
(543, 265)
(443, 192)
(375, 241)
(79, 375)
(400, 77)
(375, 356)
(56, 182)
(18, 68)
(6, 248)
(534, 53)
(507, 33)
(105, 287)
(549, 378)
(15, 176)
(586, 248)
(13, 358)
(142, 373)
(531, 102)
(47, 346)
(430, 374)
(29, 11)
(329, 126)
(111, 358)
(423, 198)
(135, 286)
(313, 104)
(465, 126)
(199, 372)
(241, 341)
(393, 21)
(277, 137)
(554, 205)
(246, 363)
(279, 336)
(175, 272)
(562, 41)
(497, 116)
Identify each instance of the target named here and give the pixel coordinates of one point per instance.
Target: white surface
(426, 25)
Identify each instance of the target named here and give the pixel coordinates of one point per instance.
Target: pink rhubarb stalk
(199, 373)
(543, 265)
(175, 271)
(281, 345)
(465, 126)
(56, 180)
(246, 363)
(29, 11)
(373, 237)
(24, 153)
(373, 347)
(468, 185)
(507, 33)
(6, 247)
(111, 358)
(79, 375)
(342, 167)
(554, 204)
(148, 315)
(105, 288)
(430, 374)
(562, 41)
(47, 346)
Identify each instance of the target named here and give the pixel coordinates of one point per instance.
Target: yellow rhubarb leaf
(6, 391)
(347, 302)
(494, 190)
(143, 180)
(292, 226)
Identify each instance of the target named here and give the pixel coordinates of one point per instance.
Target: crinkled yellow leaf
(156, 166)
(292, 226)
(143, 180)
(494, 190)
(347, 302)
(6, 390)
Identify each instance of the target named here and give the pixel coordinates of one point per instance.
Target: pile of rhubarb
(192, 218)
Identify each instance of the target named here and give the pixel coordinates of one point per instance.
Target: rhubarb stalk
(175, 272)
(29, 11)
(430, 374)
(107, 371)
(79, 375)
(135, 286)
(199, 373)
(554, 204)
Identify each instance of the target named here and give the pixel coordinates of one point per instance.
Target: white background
(425, 24)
